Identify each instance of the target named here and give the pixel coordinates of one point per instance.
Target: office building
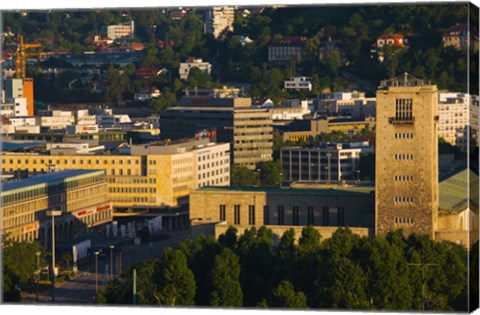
(249, 131)
(325, 162)
(80, 195)
(406, 183)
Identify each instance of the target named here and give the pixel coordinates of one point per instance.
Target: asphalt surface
(82, 289)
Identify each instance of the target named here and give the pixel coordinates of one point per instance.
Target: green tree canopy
(226, 280)
(285, 296)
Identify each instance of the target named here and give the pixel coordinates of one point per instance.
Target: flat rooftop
(46, 178)
(353, 191)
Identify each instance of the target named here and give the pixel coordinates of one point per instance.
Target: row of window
(403, 178)
(403, 135)
(403, 109)
(399, 157)
(403, 199)
(281, 215)
(399, 220)
(132, 190)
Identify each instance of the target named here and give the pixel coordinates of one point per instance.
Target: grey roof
(13, 146)
(46, 178)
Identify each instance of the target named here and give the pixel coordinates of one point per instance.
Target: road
(82, 289)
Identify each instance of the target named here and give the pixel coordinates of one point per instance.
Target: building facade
(406, 179)
(80, 195)
(461, 36)
(282, 208)
(286, 48)
(147, 177)
(126, 30)
(326, 162)
(190, 63)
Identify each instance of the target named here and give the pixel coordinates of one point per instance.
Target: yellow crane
(21, 57)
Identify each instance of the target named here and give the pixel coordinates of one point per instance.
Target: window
(310, 215)
(341, 216)
(281, 213)
(325, 216)
(251, 215)
(222, 214)
(236, 214)
(403, 109)
(296, 219)
(266, 215)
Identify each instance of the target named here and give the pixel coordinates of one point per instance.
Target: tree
(67, 258)
(226, 280)
(310, 239)
(285, 296)
(20, 266)
(334, 61)
(271, 173)
(242, 176)
(176, 282)
(199, 78)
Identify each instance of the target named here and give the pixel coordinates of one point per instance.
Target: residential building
(219, 20)
(461, 36)
(121, 31)
(190, 63)
(80, 195)
(453, 122)
(139, 177)
(298, 83)
(146, 94)
(324, 162)
(384, 40)
(214, 209)
(248, 130)
(287, 48)
(288, 113)
(406, 152)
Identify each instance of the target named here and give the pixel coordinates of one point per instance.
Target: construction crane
(21, 57)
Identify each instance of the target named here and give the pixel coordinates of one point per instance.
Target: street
(81, 289)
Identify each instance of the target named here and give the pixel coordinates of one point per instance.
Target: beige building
(126, 30)
(406, 192)
(190, 63)
(148, 177)
(80, 195)
(213, 209)
(219, 20)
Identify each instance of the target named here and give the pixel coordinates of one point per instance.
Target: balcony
(401, 121)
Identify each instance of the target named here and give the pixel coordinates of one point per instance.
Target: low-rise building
(298, 83)
(214, 209)
(397, 40)
(324, 162)
(146, 94)
(353, 104)
(190, 63)
(80, 195)
(219, 20)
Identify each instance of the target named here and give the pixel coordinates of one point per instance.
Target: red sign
(103, 208)
(31, 227)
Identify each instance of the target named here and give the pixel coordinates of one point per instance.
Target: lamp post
(96, 271)
(111, 261)
(38, 253)
(53, 214)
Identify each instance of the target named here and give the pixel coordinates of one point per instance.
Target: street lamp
(111, 260)
(96, 271)
(53, 214)
(38, 253)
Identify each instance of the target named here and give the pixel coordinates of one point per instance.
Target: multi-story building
(80, 195)
(248, 130)
(286, 48)
(190, 63)
(219, 20)
(406, 183)
(461, 36)
(142, 177)
(325, 162)
(214, 209)
(353, 104)
(298, 83)
(126, 30)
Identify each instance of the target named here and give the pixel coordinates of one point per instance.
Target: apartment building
(325, 162)
(125, 30)
(190, 63)
(141, 177)
(80, 195)
(286, 48)
(458, 114)
(353, 104)
(298, 83)
(219, 20)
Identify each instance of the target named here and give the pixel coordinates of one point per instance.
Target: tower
(406, 180)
